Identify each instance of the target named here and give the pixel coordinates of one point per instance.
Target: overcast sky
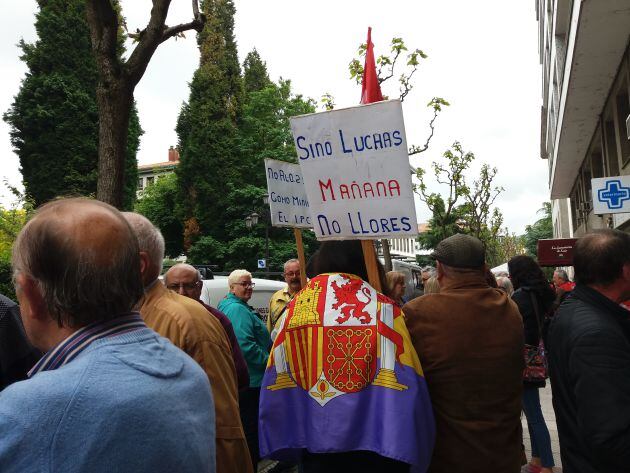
(482, 58)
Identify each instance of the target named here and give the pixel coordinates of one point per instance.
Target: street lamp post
(252, 220)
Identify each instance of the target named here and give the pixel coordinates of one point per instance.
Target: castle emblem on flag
(335, 332)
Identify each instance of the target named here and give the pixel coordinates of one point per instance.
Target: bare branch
(176, 30)
(417, 149)
(156, 33)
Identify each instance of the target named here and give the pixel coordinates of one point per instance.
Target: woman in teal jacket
(254, 340)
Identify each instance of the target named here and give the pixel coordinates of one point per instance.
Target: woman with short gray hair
(254, 341)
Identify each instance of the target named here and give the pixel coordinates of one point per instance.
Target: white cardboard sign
(288, 203)
(356, 172)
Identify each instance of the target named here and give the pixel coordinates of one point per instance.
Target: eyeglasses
(246, 284)
(185, 286)
(292, 274)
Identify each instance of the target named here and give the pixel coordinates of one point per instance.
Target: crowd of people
(104, 367)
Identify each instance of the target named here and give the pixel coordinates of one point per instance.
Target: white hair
(236, 275)
(288, 262)
(150, 239)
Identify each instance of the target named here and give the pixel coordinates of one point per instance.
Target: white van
(214, 290)
(413, 277)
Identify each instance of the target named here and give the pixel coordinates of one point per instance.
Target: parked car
(216, 289)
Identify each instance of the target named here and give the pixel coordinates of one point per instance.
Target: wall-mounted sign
(611, 195)
(556, 252)
(355, 165)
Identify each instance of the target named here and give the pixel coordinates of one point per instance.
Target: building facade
(585, 54)
(407, 248)
(149, 173)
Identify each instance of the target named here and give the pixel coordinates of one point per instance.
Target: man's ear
(626, 272)
(440, 269)
(32, 302)
(144, 262)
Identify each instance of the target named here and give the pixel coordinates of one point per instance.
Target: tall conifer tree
(54, 117)
(208, 127)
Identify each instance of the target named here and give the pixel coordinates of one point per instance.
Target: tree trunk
(115, 102)
(387, 257)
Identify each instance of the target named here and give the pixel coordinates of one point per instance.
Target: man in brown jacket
(189, 326)
(469, 338)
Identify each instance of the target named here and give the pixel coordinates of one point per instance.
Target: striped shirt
(71, 347)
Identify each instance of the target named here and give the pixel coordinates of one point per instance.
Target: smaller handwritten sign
(556, 252)
(287, 197)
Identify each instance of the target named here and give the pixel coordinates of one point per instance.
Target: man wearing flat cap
(470, 340)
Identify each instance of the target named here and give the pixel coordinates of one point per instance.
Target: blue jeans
(538, 432)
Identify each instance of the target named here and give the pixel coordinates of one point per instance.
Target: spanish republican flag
(343, 376)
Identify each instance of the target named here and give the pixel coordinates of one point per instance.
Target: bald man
(95, 401)
(187, 325)
(185, 280)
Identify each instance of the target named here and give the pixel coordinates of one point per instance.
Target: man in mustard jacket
(189, 326)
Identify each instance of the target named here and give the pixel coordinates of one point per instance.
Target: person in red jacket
(561, 281)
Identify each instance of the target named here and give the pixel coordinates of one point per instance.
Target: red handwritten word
(359, 190)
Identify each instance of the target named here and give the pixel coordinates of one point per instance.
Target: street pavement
(550, 418)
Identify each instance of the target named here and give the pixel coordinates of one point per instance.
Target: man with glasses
(185, 279)
(281, 298)
(188, 326)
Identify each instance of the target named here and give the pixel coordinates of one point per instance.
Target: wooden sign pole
(371, 264)
(300, 251)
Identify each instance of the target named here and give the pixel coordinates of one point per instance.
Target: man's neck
(55, 337)
(151, 284)
(612, 292)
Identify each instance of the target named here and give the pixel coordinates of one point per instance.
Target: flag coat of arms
(343, 376)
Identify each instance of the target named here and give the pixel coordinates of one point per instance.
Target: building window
(140, 185)
(623, 110)
(597, 163)
(150, 180)
(612, 157)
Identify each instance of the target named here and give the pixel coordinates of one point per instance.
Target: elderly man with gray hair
(280, 299)
(187, 324)
(95, 401)
(469, 338)
(186, 280)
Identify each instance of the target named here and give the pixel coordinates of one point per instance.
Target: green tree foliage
(157, 203)
(12, 219)
(463, 208)
(207, 128)
(54, 116)
(255, 75)
(541, 229)
(241, 139)
(387, 66)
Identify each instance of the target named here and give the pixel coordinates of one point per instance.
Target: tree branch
(156, 33)
(103, 22)
(416, 149)
(175, 30)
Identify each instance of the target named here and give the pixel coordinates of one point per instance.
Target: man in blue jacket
(109, 394)
(589, 358)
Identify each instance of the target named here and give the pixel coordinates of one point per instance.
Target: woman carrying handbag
(534, 297)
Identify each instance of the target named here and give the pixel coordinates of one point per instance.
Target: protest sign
(288, 203)
(355, 167)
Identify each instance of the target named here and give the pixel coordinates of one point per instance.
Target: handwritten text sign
(287, 197)
(356, 172)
